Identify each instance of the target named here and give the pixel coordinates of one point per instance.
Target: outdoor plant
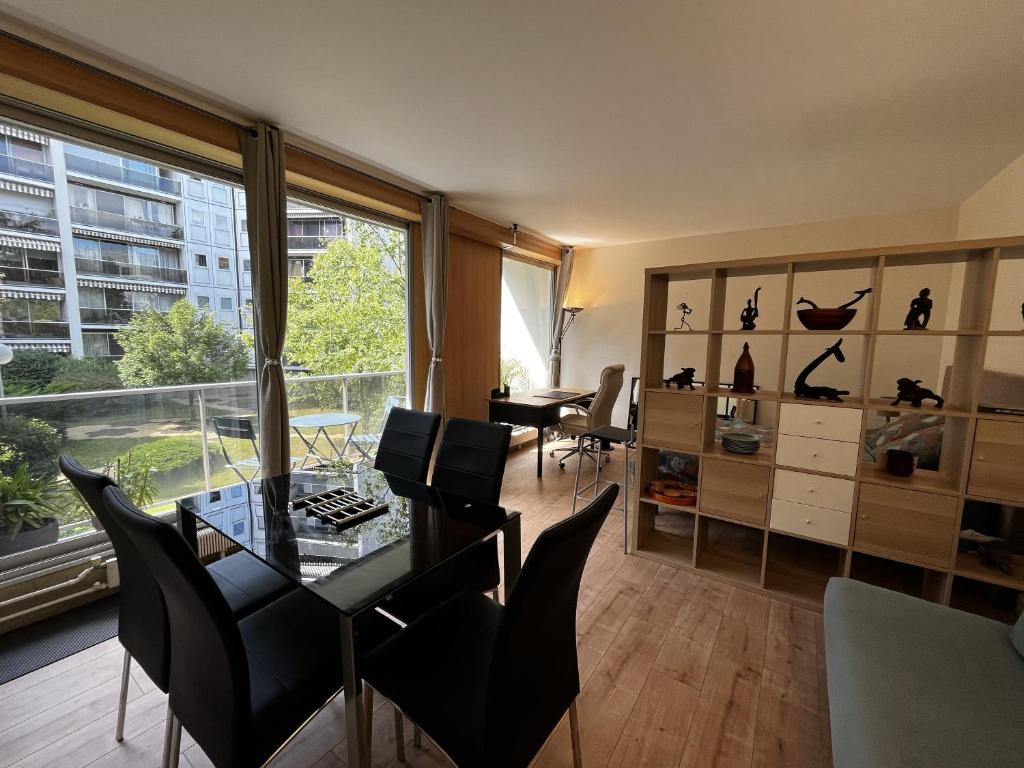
(32, 442)
(27, 501)
(133, 474)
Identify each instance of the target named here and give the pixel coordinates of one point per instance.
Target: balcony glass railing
(33, 329)
(108, 315)
(27, 169)
(28, 276)
(87, 266)
(33, 223)
(310, 242)
(104, 427)
(119, 173)
(91, 218)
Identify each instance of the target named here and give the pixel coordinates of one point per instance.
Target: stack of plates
(741, 443)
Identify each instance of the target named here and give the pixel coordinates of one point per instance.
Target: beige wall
(997, 209)
(608, 281)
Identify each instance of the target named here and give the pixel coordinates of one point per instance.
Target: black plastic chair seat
(447, 652)
(248, 584)
(611, 434)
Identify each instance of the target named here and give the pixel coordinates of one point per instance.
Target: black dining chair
(241, 689)
(245, 583)
(406, 444)
(498, 678)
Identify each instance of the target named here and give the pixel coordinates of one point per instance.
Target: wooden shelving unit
(903, 533)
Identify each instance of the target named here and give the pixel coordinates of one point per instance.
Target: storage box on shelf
(812, 502)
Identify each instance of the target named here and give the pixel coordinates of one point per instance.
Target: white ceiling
(601, 121)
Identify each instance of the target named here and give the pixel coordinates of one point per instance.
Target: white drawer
(821, 455)
(821, 421)
(813, 522)
(817, 490)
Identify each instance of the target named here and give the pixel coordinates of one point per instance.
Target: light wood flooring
(677, 670)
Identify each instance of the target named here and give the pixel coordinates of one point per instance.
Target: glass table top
(354, 567)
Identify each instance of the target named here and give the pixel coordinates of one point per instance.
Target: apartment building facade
(89, 238)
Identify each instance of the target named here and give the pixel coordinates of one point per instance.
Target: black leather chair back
(407, 443)
(142, 616)
(471, 459)
(534, 674)
(209, 681)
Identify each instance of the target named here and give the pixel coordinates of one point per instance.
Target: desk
(358, 568)
(526, 409)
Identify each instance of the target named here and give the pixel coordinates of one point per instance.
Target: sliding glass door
(526, 290)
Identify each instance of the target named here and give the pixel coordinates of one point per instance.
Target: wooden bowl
(678, 501)
(826, 319)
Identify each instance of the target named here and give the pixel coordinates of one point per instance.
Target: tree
(348, 314)
(184, 346)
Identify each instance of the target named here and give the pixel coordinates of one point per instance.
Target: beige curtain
(435, 286)
(564, 273)
(263, 168)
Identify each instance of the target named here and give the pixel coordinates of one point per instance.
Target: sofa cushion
(912, 683)
(1017, 635)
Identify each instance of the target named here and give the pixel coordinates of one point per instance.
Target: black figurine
(908, 391)
(859, 295)
(920, 312)
(802, 389)
(687, 311)
(682, 379)
(749, 314)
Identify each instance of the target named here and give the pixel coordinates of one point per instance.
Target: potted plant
(133, 475)
(28, 506)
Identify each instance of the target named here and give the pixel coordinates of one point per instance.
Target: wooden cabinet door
(672, 421)
(911, 525)
(997, 460)
(734, 490)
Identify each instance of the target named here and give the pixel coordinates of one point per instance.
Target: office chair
(598, 415)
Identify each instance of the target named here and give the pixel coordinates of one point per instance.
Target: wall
(608, 281)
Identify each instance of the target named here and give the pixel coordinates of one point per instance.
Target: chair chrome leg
(576, 483)
(165, 761)
(574, 733)
(417, 737)
(122, 701)
(172, 744)
(368, 708)
(399, 735)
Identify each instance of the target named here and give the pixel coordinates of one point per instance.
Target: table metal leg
(512, 548)
(187, 528)
(355, 717)
(540, 450)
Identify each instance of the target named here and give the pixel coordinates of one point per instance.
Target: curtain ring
(436, 360)
(271, 361)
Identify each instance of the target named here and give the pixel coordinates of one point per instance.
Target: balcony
(27, 169)
(310, 242)
(28, 276)
(108, 315)
(102, 170)
(91, 218)
(86, 266)
(33, 223)
(34, 329)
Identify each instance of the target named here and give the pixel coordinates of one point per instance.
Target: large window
(525, 323)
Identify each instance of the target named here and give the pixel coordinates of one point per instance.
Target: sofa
(913, 684)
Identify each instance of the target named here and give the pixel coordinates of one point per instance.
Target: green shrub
(30, 371)
(86, 374)
(32, 442)
(26, 500)
(169, 454)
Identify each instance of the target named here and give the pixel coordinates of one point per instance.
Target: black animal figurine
(750, 313)
(687, 310)
(908, 391)
(920, 312)
(802, 389)
(682, 379)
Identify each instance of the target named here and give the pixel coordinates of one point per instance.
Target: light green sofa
(912, 684)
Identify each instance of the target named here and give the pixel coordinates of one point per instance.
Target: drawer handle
(817, 421)
(810, 490)
(814, 454)
(863, 517)
(807, 521)
(981, 458)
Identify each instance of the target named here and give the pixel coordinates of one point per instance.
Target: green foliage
(133, 475)
(27, 500)
(167, 454)
(184, 346)
(86, 374)
(30, 371)
(32, 442)
(515, 374)
(348, 314)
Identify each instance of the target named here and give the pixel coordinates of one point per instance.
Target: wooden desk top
(530, 397)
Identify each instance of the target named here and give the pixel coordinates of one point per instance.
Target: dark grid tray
(340, 507)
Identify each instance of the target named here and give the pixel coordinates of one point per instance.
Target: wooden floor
(677, 670)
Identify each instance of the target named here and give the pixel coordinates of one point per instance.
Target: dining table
(405, 537)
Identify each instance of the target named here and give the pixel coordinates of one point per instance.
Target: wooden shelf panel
(763, 455)
(758, 395)
(698, 392)
(849, 401)
(969, 566)
(920, 480)
(927, 332)
(691, 508)
(881, 404)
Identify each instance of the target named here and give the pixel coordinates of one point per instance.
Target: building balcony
(116, 221)
(79, 164)
(34, 329)
(27, 169)
(310, 242)
(32, 223)
(108, 315)
(86, 266)
(29, 276)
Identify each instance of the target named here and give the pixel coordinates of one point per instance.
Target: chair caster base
(561, 467)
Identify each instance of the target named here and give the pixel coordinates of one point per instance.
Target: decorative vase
(899, 463)
(743, 375)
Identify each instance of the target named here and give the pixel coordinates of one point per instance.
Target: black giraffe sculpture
(802, 389)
